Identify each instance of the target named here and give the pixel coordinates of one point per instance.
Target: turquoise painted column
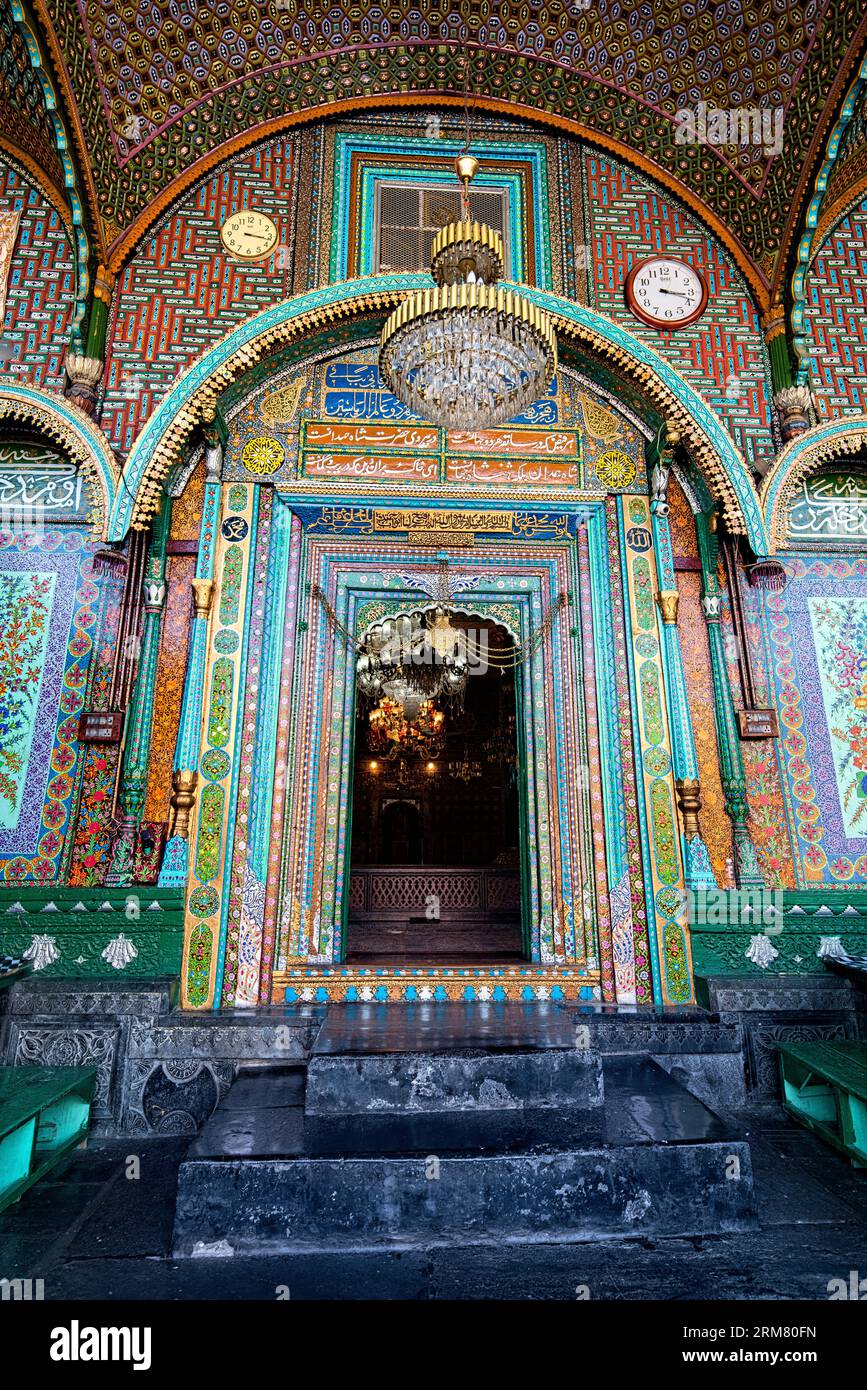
(747, 870)
(173, 873)
(698, 871)
(139, 717)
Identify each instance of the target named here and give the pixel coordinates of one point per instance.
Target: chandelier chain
(505, 658)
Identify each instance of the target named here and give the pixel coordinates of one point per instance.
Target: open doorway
(435, 850)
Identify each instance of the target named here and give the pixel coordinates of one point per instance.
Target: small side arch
(58, 420)
(803, 455)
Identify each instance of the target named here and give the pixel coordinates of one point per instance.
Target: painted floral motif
(199, 964)
(643, 593)
(221, 703)
(676, 967)
(210, 831)
(662, 814)
(25, 608)
(840, 634)
(651, 702)
(230, 595)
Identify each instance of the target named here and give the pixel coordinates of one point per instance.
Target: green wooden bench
(825, 1088)
(44, 1112)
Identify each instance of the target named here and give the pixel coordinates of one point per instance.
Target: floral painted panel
(25, 620)
(815, 638)
(32, 838)
(840, 635)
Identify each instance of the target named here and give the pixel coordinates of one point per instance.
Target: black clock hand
(678, 293)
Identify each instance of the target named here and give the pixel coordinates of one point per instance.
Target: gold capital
(689, 801)
(183, 796)
(668, 601)
(203, 593)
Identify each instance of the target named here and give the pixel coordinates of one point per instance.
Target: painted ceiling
(155, 90)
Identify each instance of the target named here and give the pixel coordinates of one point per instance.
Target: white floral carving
(761, 951)
(42, 951)
(119, 952)
(831, 946)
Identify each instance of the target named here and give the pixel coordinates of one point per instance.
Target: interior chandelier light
(467, 354)
(392, 733)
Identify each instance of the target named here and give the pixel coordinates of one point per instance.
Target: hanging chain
(502, 657)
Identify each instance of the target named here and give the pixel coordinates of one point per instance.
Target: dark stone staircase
(419, 1124)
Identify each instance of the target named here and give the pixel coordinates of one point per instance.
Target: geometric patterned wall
(41, 286)
(723, 355)
(836, 318)
(181, 292)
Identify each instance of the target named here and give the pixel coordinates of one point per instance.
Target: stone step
(284, 1204)
(262, 1174)
(421, 939)
(390, 1102)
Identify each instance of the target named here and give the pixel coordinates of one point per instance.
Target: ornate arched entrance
(315, 484)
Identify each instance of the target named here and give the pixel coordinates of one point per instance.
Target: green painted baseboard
(92, 933)
(724, 932)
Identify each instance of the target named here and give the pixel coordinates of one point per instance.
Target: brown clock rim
(661, 324)
(259, 255)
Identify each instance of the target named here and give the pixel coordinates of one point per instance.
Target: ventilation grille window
(409, 217)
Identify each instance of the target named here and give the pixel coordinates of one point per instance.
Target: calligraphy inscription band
(455, 539)
(386, 520)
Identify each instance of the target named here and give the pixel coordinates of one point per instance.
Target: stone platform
(428, 1123)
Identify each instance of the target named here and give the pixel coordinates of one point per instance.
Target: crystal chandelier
(413, 658)
(392, 732)
(467, 354)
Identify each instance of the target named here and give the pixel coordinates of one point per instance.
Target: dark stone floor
(91, 1232)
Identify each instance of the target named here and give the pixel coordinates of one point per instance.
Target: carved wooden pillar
(747, 871)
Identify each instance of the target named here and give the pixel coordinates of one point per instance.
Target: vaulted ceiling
(154, 91)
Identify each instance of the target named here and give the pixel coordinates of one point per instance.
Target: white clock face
(249, 235)
(666, 293)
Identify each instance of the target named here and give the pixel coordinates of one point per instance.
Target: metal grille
(408, 218)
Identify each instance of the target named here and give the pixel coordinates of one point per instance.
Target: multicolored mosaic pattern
(41, 286)
(24, 120)
(815, 635)
(32, 835)
(722, 355)
(835, 317)
(615, 68)
(182, 290)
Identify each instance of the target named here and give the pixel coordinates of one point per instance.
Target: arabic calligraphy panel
(542, 472)
(372, 467)
(558, 444)
(831, 506)
(324, 434)
(37, 483)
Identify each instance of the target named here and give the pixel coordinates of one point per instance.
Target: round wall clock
(666, 293)
(249, 235)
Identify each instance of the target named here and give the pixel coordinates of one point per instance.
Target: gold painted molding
(202, 402)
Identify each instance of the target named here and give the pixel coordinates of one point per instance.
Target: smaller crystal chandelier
(393, 732)
(467, 354)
